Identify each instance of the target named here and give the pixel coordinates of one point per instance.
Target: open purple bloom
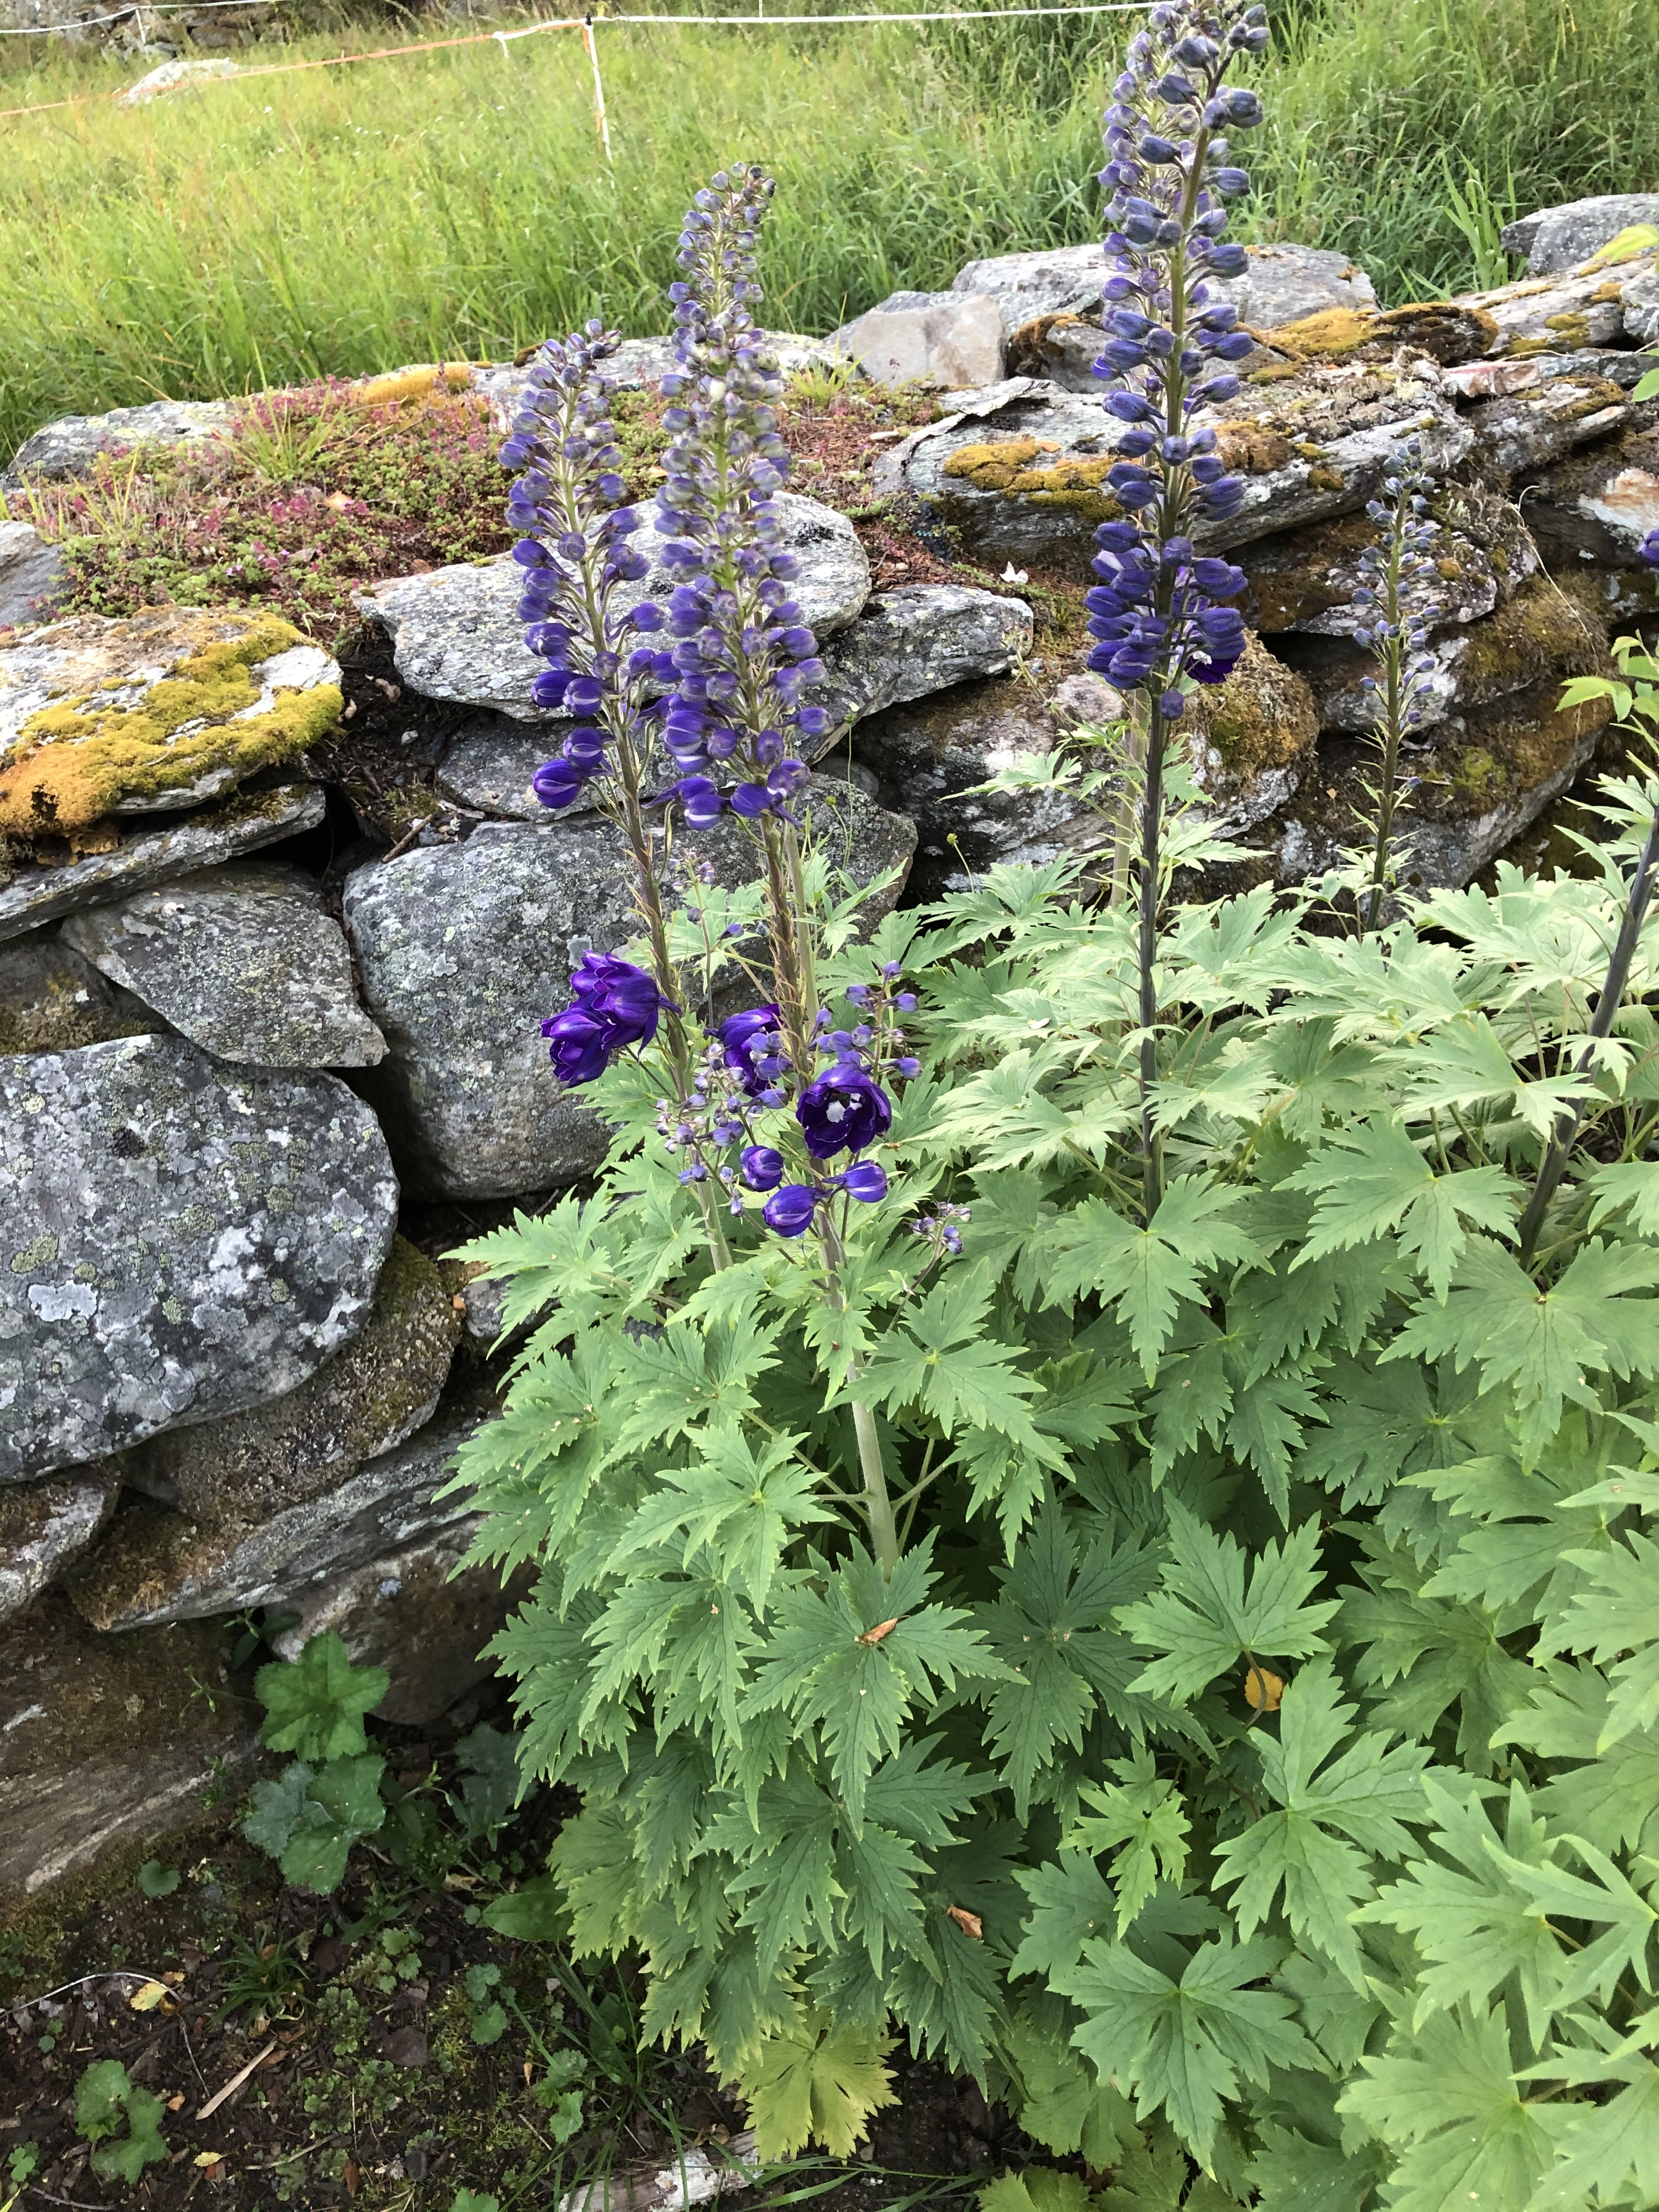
(749, 1041)
(577, 1046)
(844, 1110)
(790, 1211)
(557, 782)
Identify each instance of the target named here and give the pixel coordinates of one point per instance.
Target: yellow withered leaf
(1264, 1691)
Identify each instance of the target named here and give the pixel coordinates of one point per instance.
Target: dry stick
(1564, 1135)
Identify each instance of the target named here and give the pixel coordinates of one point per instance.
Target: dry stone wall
(240, 1048)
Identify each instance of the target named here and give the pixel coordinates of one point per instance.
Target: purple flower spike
(741, 1035)
(790, 1211)
(763, 1168)
(866, 1180)
(843, 1111)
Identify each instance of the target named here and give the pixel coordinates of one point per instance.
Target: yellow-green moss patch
(75, 761)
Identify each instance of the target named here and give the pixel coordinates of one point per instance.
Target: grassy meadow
(338, 221)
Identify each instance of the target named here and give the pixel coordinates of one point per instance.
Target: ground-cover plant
(1126, 1567)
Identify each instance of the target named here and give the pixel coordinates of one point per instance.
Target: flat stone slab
(1530, 424)
(457, 634)
(640, 364)
(1028, 481)
(43, 1527)
(177, 1241)
(1560, 314)
(153, 713)
(245, 961)
(156, 1566)
(462, 949)
(907, 643)
(951, 339)
(135, 859)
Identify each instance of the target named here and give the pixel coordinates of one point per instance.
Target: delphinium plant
(1239, 1756)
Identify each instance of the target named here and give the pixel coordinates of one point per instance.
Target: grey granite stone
(1638, 306)
(177, 1241)
(245, 961)
(1558, 238)
(421, 1614)
(31, 571)
(32, 894)
(457, 634)
(157, 1566)
(69, 446)
(44, 1525)
(907, 643)
(462, 949)
(952, 339)
(51, 999)
(1527, 427)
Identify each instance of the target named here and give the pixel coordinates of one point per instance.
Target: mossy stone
(52, 1001)
(371, 1396)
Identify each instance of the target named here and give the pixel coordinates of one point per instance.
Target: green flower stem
(1394, 708)
(1564, 1135)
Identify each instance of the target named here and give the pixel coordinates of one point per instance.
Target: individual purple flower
(790, 1211)
(866, 1181)
(751, 1043)
(762, 1167)
(1648, 549)
(844, 1110)
(557, 783)
(577, 1046)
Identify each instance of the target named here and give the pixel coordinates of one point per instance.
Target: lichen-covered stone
(1479, 790)
(1598, 505)
(1558, 238)
(1558, 313)
(1638, 306)
(1306, 580)
(1525, 427)
(1028, 483)
(419, 1614)
(366, 1401)
(31, 575)
(462, 949)
(45, 1525)
(1446, 331)
(952, 339)
(1547, 630)
(105, 1745)
(1280, 282)
(70, 447)
(458, 634)
(1252, 737)
(52, 1000)
(152, 713)
(908, 642)
(119, 860)
(245, 961)
(177, 1241)
(155, 1565)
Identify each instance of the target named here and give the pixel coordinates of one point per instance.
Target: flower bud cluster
(576, 553)
(1170, 348)
(943, 1230)
(741, 652)
(1394, 597)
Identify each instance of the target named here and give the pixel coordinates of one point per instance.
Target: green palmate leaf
(1039, 2188)
(952, 2003)
(1296, 2174)
(121, 2121)
(1181, 2045)
(1142, 1817)
(314, 1705)
(1204, 1621)
(1066, 2106)
(1155, 2175)
(1544, 1344)
(1371, 1182)
(815, 2082)
(1609, 2150)
(740, 1502)
(942, 1363)
(1146, 1274)
(1444, 2097)
(1609, 1792)
(341, 1806)
(1384, 1423)
(1069, 1903)
(1333, 1820)
(1630, 1187)
(1616, 1620)
(1475, 1924)
(569, 1258)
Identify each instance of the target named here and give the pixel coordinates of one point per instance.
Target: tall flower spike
(1395, 599)
(1157, 611)
(742, 653)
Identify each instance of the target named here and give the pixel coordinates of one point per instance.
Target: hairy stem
(1564, 1135)
(883, 1530)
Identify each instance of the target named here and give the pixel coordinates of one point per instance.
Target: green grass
(339, 220)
